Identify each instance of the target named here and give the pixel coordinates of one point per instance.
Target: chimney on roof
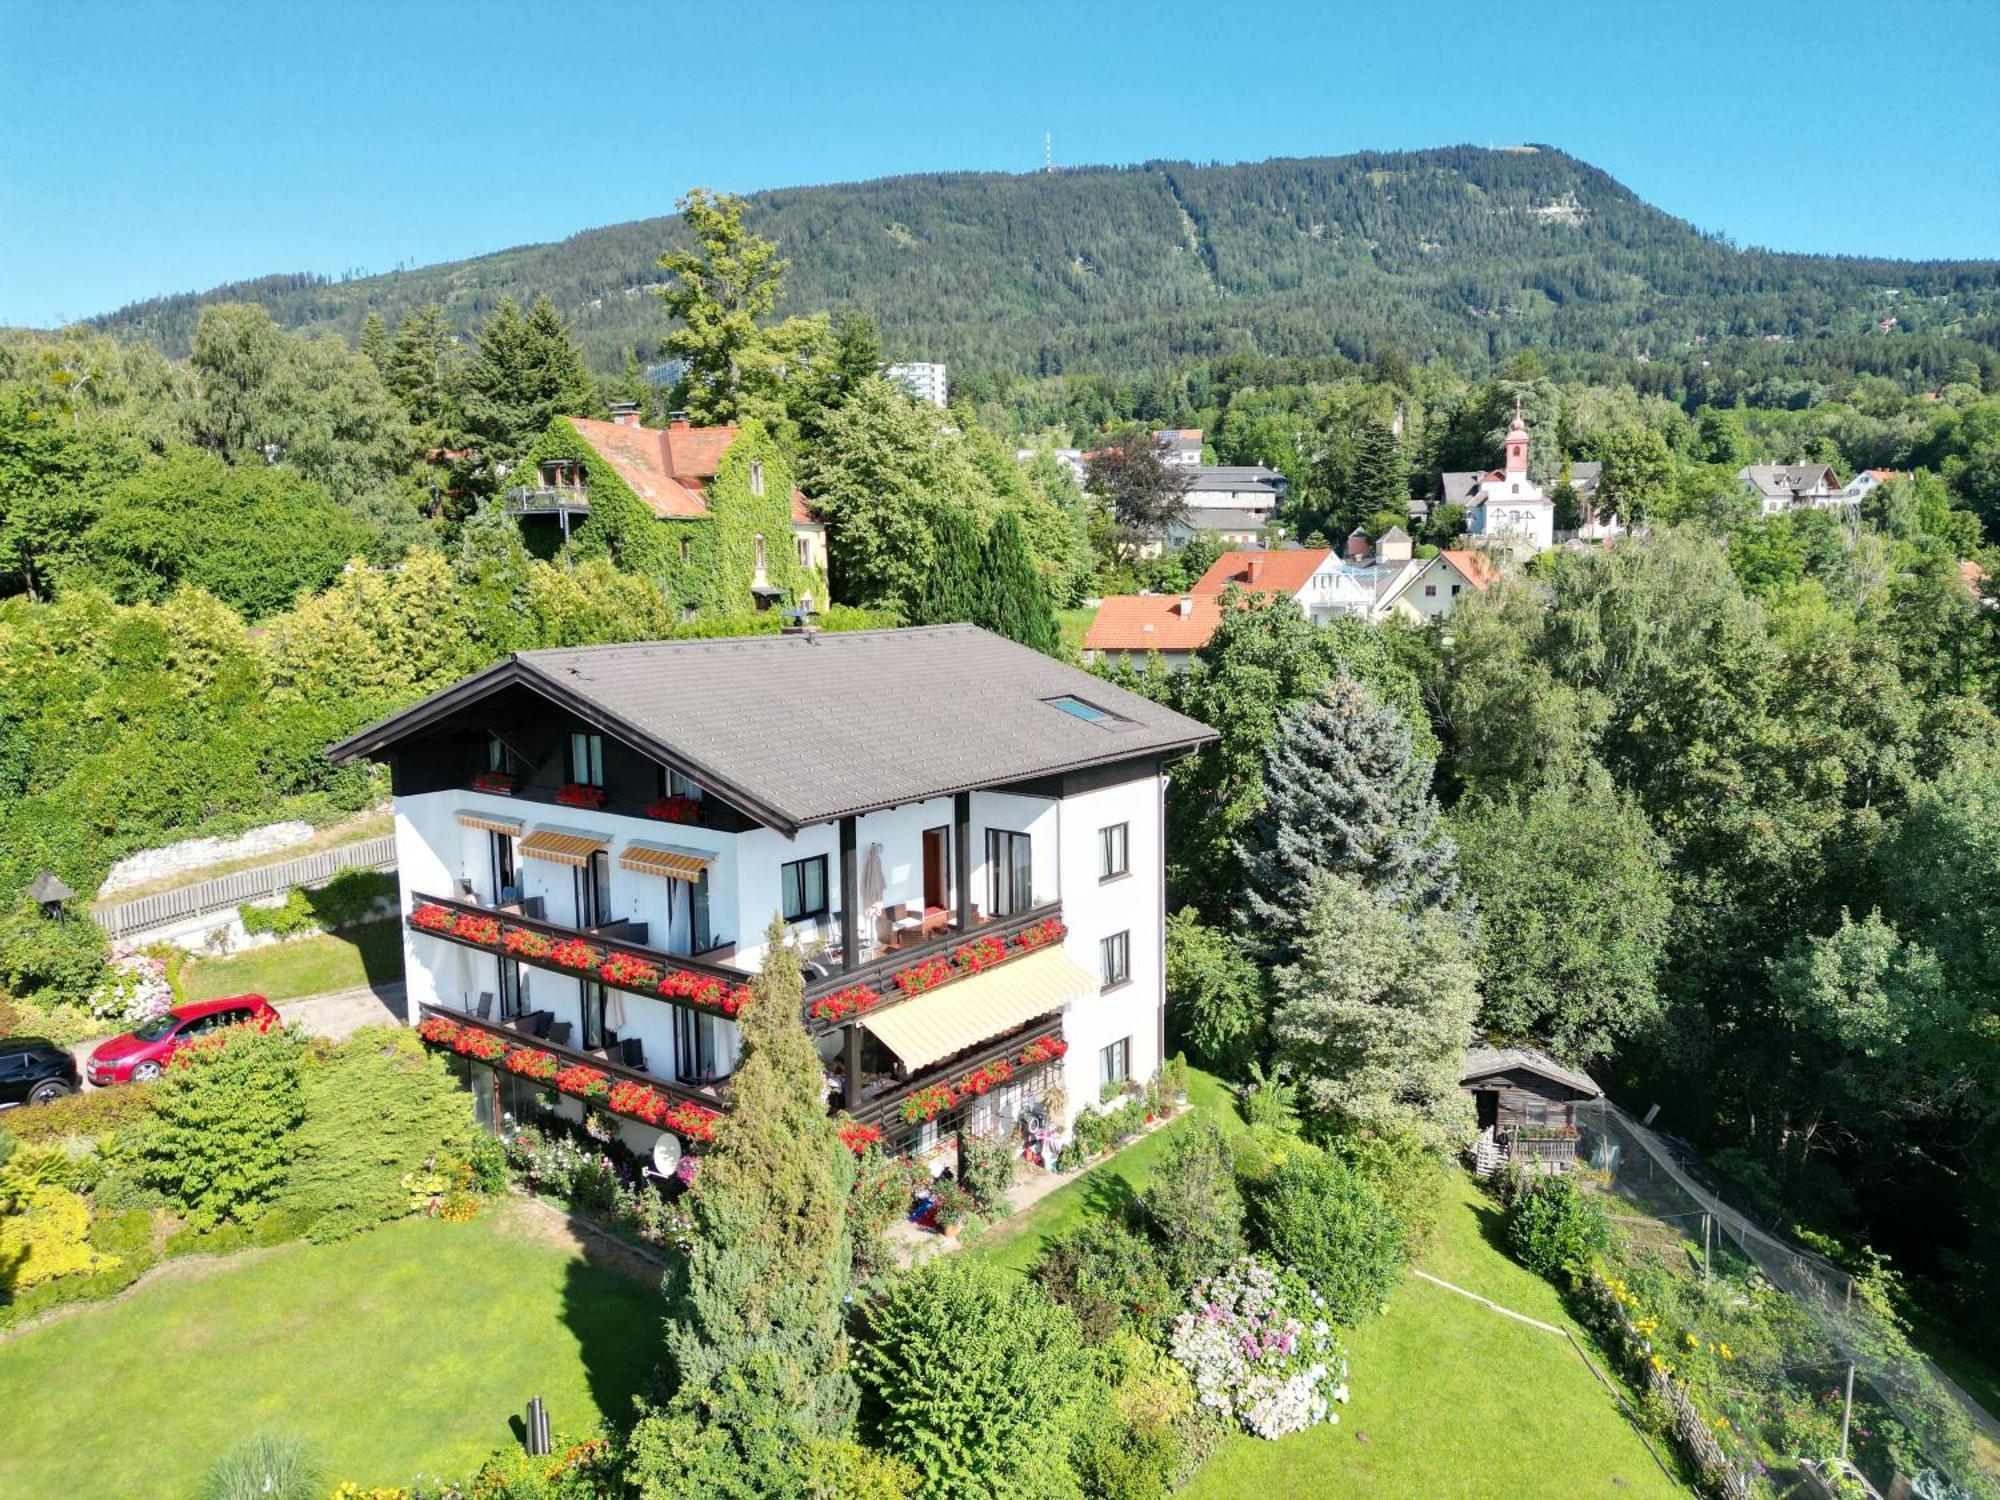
(1185, 607)
(625, 413)
(677, 419)
(1251, 569)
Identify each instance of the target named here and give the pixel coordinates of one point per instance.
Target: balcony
(938, 935)
(548, 500)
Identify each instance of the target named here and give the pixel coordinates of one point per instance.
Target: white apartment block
(925, 382)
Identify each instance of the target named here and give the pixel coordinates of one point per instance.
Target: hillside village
(1094, 835)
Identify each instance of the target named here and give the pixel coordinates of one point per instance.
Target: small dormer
(561, 474)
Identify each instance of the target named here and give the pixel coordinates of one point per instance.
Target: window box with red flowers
(855, 1000)
(438, 1031)
(929, 974)
(1049, 1049)
(628, 971)
(479, 1045)
(532, 1062)
(501, 783)
(987, 1076)
(1048, 930)
(576, 794)
(431, 918)
(582, 1082)
(691, 1120)
(858, 1138)
(927, 1104)
(675, 810)
(522, 942)
(484, 931)
(704, 991)
(574, 954)
(983, 953)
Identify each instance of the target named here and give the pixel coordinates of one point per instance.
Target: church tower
(1517, 445)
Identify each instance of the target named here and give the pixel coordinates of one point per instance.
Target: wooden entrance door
(937, 868)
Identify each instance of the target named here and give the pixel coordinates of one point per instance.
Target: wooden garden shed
(1527, 1106)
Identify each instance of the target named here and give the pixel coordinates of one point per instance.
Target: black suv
(33, 1071)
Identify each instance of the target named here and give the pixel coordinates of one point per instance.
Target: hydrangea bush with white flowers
(135, 990)
(1258, 1343)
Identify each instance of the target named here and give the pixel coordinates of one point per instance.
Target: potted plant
(951, 1206)
(1176, 1080)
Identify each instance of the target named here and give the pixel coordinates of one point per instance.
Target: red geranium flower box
(532, 1062)
(1048, 930)
(628, 971)
(926, 975)
(499, 782)
(576, 794)
(1047, 1050)
(482, 1045)
(675, 810)
(431, 917)
(438, 1031)
(855, 1000)
(484, 931)
(858, 1138)
(928, 1103)
(583, 1082)
(521, 942)
(575, 953)
(704, 991)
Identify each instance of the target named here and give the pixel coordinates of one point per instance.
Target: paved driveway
(338, 1014)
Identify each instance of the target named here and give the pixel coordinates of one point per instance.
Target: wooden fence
(121, 919)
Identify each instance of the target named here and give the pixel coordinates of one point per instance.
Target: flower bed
(1258, 1344)
(576, 794)
(675, 810)
(855, 1000)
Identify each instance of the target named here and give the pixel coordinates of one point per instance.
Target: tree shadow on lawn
(1107, 1194)
(616, 1312)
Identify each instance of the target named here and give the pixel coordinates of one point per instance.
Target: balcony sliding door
(593, 891)
(1010, 873)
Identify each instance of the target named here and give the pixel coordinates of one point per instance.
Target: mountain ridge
(1461, 251)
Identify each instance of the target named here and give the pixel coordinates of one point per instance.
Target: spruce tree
(375, 342)
(755, 1332)
(424, 372)
(1013, 601)
(952, 588)
(1345, 793)
(524, 372)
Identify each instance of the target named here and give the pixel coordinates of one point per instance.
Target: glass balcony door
(1010, 872)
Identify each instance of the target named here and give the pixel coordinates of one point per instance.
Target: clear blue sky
(160, 147)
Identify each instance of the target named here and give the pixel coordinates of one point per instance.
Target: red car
(142, 1053)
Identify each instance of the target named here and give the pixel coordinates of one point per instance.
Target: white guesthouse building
(964, 838)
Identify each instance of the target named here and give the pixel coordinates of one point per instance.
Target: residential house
(1783, 487)
(1131, 627)
(1180, 446)
(964, 838)
(710, 511)
(1431, 587)
(1240, 487)
(1526, 1105)
(924, 381)
(1867, 482)
(1504, 508)
(1239, 529)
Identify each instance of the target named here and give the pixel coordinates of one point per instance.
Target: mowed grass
(1072, 625)
(369, 953)
(404, 1350)
(1454, 1399)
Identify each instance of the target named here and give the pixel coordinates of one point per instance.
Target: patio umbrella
(873, 885)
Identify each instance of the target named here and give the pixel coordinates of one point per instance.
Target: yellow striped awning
(674, 861)
(491, 822)
(563, 846)
(967, 1012)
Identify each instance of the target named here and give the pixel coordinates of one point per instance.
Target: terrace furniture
(557, 1032)
(541, 1022)
(632, 1052)
(484, 1010)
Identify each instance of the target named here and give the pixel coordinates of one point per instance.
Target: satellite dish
(666, 1153)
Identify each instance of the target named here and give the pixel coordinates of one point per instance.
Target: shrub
(1193, 1207)
(1553, 1228)
(841, 1469)
(1257, 1343)
(289, 918)
(1330, 1224)
(973, 1380)
(1408, 1174)
(574, 1469)
(228, 1108)
(1108, 1276)
(988, 1173)
(1258, 1152)
(1130, 1445)
(46, 1237)
(128, 1236)
(94, 1114)
(265, 1467)
(1270, 1100)
(884, 1187)
(377, 1107)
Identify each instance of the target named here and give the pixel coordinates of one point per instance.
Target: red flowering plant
(983, 953)
(438, 1031)
(532, 1062)
(855, 1000)
(704, 991)
(858, 1138)
(482, 1045)
(574, 954)
(522, 942)
(431, 917)
(691, 1120)
(928, 1103)
(637, 1100)
(628, 971)
(987, 1076)
(583, 1082)
(502, 782)
(1048, 930)
(926, 975)
(576, 794)
(675, 810)
(1047, 1050)
(474, 928)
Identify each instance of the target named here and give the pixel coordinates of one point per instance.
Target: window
(1010, 872)
(805, 545)
(803, 888)
(1114, 851)
(756, 476)
(593, 1015)
(673, 784)
(586, 759)
(1454, 590)
(506, 882)
(1114, 1063)
(761, 563)
(1430, 591)
(1076, 708)
(687, 550)
(513, 990)
(499, 757)
(694, 1046)
(1114, 959)
(593, 890)
(701, 936)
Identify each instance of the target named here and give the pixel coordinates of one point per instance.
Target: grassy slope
(1456, 1400)
(403, 1350)
(311, 966)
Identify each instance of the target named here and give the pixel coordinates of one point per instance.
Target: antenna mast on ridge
(1048, 153)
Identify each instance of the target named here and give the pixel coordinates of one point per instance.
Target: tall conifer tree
(1013, 601)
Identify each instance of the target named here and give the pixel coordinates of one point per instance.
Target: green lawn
(402, 1350)
(366, 954)
(1073, 623)
(1455, 1400)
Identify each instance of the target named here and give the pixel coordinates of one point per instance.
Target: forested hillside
(1460, 252)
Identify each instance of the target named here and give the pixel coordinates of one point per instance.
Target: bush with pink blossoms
(1261, 1349)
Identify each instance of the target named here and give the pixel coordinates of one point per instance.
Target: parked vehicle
(34, 1071)
(143, 1052)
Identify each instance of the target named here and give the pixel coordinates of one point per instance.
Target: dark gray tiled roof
(808, 728)
(1482, 1062)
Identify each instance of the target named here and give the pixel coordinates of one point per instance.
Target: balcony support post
(961, 848)
(850, 1049)
(850, 904)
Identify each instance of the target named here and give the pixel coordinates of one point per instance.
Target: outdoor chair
(543, 1021)
(632, 1052)
(557, 1033)
(484, 1010)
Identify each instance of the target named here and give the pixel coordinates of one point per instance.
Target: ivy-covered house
(711, 512)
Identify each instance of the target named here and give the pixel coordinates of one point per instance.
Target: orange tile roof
(669, 469)
(1277, 572)
(1152, 622)
(1476, 566)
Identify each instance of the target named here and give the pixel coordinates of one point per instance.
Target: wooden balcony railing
(886, 1109)
(879, 973)
(714, 1096)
